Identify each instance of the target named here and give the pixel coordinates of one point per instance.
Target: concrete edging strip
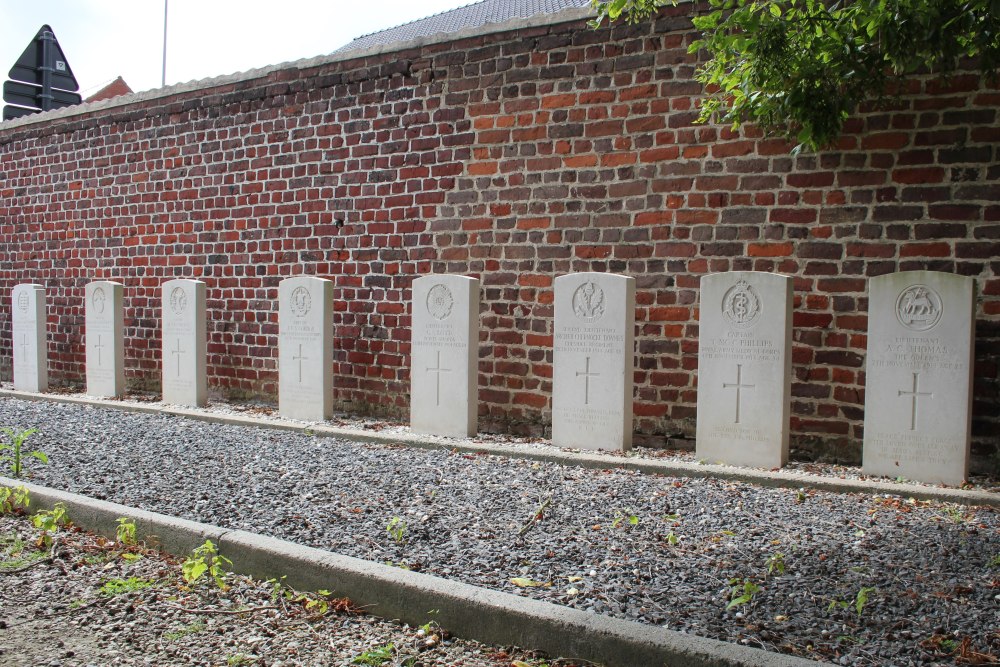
(769, 478)
(468, 611)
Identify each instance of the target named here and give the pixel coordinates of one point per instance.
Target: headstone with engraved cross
(744, 368)
(592, 361)
(31, 372)
(305, 348)
(444, 355)
(105, 338)
(184, 377)
(918, 380)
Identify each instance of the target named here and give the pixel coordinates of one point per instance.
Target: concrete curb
(768, 478)
(467, 611)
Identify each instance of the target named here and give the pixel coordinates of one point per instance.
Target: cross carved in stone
(738, 386)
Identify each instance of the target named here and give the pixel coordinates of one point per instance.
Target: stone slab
(184, 378)
(105, 338)
(593, 359)
(31, 354)
(444, 354)
(918, 378)
(305, 348)
(744, 369)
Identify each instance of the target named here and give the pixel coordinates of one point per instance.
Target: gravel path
(88, 601)
(850, 579)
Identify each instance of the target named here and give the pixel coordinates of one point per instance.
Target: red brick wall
(514, 157)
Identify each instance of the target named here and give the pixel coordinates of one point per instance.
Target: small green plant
(859, 602)
(206, 558)
(113, 587)
(190, 629)
(627, 517)
(741, 592)
(995, 561)
(15, 447)
(376, 657)
(672, 539)
(396, 529)
(15, 553)
(776, 563)
(125, 532)
(861, 599)
(48, 521)
(14, 499)
(239, 659)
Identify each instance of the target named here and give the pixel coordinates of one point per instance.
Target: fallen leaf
(524, 582)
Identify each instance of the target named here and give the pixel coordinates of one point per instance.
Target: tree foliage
(799, 68)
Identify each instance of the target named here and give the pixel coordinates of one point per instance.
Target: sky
(104, 39)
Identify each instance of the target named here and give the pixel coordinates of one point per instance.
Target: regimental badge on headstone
(444, 355)
(305, 348)
(744, 368)
(593, 341)
(184, 341)
(105, 338)
(918, 380)
(28, 337)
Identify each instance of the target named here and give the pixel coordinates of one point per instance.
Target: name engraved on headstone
(28, 336)
(184, 344)
(305, 348)
(444, 350)
(104, 339)
(744, 369)
(592, 346)
(919, 376)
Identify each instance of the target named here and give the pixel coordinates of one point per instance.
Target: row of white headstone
(918, 376)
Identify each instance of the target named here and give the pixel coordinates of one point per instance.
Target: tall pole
(163, 79)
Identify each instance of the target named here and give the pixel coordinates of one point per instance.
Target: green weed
(206, 558)
(741, 592)
(48, 521)
(376, 657)
(189, 629)
(396, 529)
(125, 532)
(859, 602)
(15, 553)
(776, 563)
(114, 587)
(14, 499)
(15, 446)
(627, 517)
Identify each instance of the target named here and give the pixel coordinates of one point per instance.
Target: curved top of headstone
(177, 282)
(920, 276)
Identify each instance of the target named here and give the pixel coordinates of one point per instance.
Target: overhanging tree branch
(799, 68)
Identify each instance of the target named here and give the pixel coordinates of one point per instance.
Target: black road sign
(41, 79)
(28, 95)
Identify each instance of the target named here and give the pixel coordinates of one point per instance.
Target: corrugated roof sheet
(470, 16)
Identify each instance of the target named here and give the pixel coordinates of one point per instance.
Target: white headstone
(744, 369)
(305, 348)
(444, 353)
(105, 338)
(184, 377)
(31, 357)
(593, 361)
(918, 386)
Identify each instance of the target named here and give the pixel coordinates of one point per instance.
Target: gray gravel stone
(870, 580)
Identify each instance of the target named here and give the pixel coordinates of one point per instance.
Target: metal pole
(163, 79)
(48, 58)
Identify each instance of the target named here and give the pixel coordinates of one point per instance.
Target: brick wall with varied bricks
(514, 157)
